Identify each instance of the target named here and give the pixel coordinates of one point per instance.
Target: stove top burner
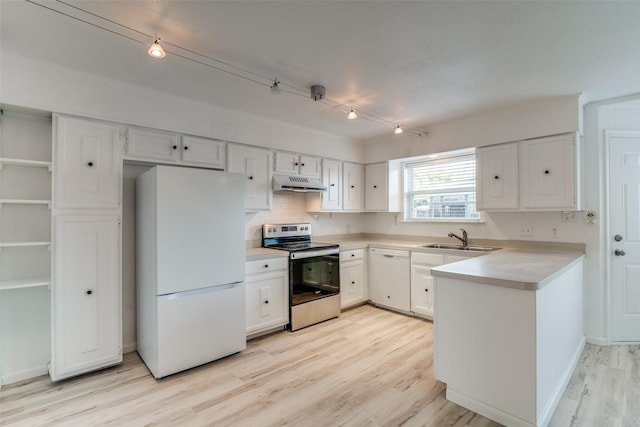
(301, 246)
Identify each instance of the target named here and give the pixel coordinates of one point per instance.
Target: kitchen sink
(460, 248)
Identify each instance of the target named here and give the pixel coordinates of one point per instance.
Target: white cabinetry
(267, 295)
(86, 289)
(352, 187)
(389, 278)
(25, 238)
(297, 164)
(255, 164)
(86, 296)
(87, 165)
(353, 278)
(497, 177)
(541, 174)
(548, 173)
(422, 282)
(382, 187)
(163, 147)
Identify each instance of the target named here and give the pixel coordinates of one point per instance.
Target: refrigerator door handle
(201, 290)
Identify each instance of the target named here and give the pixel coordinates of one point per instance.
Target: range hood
(302, 184)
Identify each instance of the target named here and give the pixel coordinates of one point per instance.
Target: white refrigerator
(190, 254)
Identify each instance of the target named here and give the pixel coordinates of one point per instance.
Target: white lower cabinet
(353, 278)
(267, 295)
(389, 278)
(86, 294)
(422, 282)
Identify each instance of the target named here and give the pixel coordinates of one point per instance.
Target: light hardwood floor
(370, 367)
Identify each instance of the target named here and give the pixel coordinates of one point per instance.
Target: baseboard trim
(128, 348)
(488, 411)
(23, 375)
(602, 342)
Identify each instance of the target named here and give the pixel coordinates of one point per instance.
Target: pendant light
(156, 51)
(398, 130)
(352, 114)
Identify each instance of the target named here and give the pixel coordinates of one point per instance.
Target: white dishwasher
(390, 278)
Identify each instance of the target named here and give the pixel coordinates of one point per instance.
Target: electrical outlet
(555, 231)
(526, 230)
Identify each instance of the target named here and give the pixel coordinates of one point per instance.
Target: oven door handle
(311, 254)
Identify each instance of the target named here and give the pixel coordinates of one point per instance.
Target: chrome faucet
(463, 239)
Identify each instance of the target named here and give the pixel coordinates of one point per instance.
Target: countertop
(524, 269)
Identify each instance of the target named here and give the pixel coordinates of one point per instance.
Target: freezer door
(198, 327)
(200, 228)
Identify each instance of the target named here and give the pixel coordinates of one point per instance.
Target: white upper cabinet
(332, 179)
(87, 169)
(548, 173)
(376, 182)
(541, 174)
(164, 147)
(204, 152)
(297, 164)
(497, 177)
(255, 163)
(352, 187)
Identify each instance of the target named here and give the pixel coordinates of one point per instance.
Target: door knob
(617, 238)
(619, 252)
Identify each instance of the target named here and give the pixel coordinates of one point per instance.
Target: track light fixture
(156, 51)
(352, 114)
(398, 130)
(275, 87)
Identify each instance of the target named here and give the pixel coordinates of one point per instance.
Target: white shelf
(31, 282)
(23, 162)
(22, 244)
(24, 202)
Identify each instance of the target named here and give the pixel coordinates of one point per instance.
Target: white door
(331, 177)
(624, 234)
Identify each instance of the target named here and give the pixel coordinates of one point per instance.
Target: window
(442, 188)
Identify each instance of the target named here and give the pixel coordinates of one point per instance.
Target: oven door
(314, 277)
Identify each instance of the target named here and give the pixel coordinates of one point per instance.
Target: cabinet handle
(353, 283)
(547, 172)
(175, 147)
(496, 177)
(353, 254)
(333, 185)
(375, 186)
(89, 291)
(295, 164)
(266, 301)
(426, 290)
(302, 164)
(353, 186)
(250, 177)
(388, 296)
(266, 266)
(186, 147)
(90, 164)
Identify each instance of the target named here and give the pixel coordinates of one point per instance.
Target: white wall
(34, 84)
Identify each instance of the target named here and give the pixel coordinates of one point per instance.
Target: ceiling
(417, 63)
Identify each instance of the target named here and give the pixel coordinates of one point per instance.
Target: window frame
(470, 152)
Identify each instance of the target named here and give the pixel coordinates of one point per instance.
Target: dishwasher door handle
(388, 256)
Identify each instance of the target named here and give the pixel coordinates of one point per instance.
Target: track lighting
(352, 114)
(275, 87)
(156, 51)
(398, 130)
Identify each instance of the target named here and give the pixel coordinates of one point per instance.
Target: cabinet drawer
(266, 265)
(353, 255)
(428, 259)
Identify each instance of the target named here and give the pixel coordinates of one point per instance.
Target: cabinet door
(86, 296)
(204, 152)
(390, 278)
(422, 291)
(156, 146)
(497, 177)
(87, 170)
(286, 163)
(352, 187)
(332, 179)
(255, 164)
(376, 187)
(352, 283)
(310, 166)
(548, 171)
(267, 301)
